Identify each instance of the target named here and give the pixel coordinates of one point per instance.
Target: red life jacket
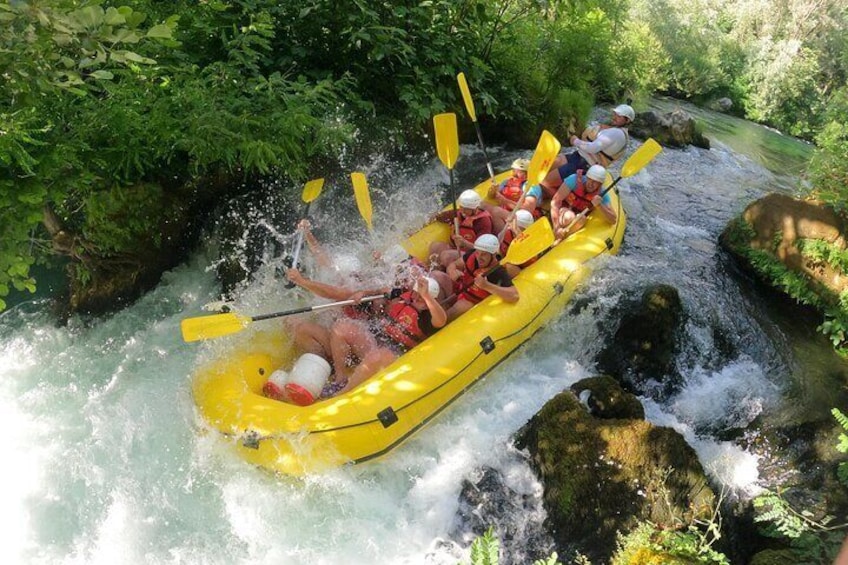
(466, 226)
(402, 323)
(577, 199)
(514, 188)
(471, 291)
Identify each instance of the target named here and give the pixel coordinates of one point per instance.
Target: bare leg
(461, 307)
(552, 180)
(437, 247)
(310, 337)
(372, 362)
(350, 340)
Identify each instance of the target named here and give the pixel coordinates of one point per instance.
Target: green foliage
(798, 286)
(822, 251)
(485, 550)
(813, 541)
(828, 168)
(842, 444)
(648, 544)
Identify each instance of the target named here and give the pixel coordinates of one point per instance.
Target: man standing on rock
(599, 145)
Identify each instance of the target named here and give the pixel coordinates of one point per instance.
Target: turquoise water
(109, 462)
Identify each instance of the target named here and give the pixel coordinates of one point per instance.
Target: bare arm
(505, 293)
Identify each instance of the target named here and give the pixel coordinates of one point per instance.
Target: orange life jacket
(577, 199)
(402, 322)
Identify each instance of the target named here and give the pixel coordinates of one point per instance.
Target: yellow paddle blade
(217, 325)
(447, 140)
(312, 190)
(607, 181)
(532, 241)
(363, 197)
(466, 96)
(546, 151)
(640, 158)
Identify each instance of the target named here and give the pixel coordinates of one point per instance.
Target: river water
(110, 464)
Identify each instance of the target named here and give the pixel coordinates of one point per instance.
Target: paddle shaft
(455, 209)
(315, 308)
(512, 213)
(298, 245)
(591, 207)
(469, 105)
(485, 154)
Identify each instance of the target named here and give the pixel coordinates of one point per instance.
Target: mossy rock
(606, 399)
(602, 476)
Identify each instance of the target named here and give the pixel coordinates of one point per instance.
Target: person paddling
(477, 275)
(520, 222)
(508, 194)
(598, 145)
(577, 193)
(360, 349)
(473, 222)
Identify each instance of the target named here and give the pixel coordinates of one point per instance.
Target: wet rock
(487, 502)
(642, 351)
(724, 104)
(605, 399)
(671, 129)
(774, 557)
(602, 476)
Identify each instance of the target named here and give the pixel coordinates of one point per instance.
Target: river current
(109, 463)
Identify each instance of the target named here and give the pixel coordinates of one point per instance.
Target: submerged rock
(488, 501)
(643, 349)
(602, 476)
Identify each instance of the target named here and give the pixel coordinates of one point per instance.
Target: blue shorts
(573, 163)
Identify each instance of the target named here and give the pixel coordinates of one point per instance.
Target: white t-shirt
(611, 141)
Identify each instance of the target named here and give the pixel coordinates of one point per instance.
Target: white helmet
(597, 172)
(469, 199)
(524, 219)
(433, 287)
(488, 243)
(626, 111)
(521, 164)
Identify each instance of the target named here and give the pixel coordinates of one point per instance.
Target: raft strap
(387, 417)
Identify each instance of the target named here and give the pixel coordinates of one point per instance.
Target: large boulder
(641, 354)
(602, 476)
(671, 129)
(604, 398)
(777, 223)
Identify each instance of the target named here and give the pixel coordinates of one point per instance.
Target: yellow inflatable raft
(379, 415)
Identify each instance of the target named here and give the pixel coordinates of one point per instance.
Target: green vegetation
(118, 120)
(812, 540)
(797, 285)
